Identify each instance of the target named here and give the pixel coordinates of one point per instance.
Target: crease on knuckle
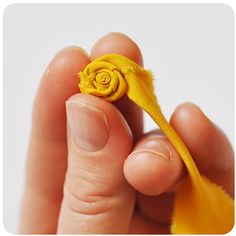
(87, 203)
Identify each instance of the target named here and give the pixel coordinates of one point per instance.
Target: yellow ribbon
(201, 206)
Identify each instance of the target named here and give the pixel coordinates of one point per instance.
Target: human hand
(109, 186)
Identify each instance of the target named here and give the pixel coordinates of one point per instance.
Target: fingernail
(88, 126)
(157, 148)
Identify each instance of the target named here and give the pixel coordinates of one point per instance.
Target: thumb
(97, 198)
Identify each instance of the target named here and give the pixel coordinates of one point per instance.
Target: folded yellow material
(201, 206)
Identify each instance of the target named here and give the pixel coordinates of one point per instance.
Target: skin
(121, 188)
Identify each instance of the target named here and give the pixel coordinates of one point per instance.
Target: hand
(115, 179)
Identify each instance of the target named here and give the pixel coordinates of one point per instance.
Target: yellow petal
(207, 210)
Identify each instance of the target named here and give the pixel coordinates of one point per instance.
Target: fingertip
(60, 79)
(68, 61)
(119, 43)
(72, 48)
(194, 127)
(189, 112)
(154, 166)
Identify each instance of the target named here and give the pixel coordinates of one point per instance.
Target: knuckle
(84, 197)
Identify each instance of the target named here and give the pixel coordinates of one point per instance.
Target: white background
(189, 48)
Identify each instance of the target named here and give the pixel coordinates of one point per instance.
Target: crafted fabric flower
(103, 79)
(201, 206)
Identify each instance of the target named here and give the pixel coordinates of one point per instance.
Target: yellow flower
(102, 79)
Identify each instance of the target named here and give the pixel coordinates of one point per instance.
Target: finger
(97, 198)
(122, 44)
(47, 152)
(154, 166)
(208, 145)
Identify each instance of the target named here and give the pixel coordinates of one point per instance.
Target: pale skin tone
(124, 186)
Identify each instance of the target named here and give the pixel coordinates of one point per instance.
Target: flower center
(103, 78)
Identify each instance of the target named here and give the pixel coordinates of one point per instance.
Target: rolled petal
(102, 79)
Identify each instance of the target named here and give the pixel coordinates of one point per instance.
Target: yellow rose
(102, 79)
